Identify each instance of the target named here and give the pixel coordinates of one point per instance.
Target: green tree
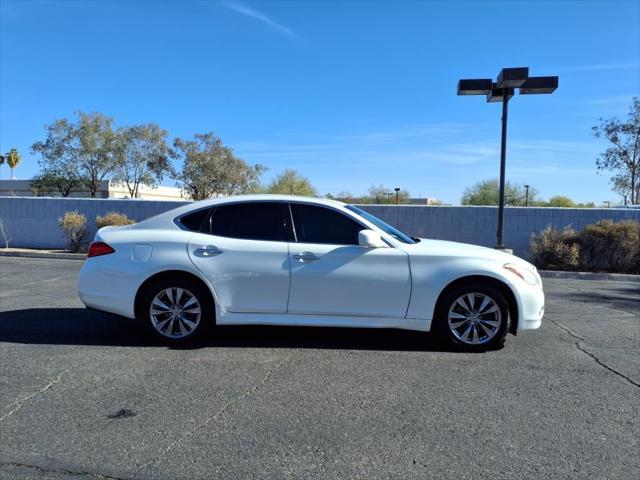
(381, 194)
(290, 182)
(51, 181)
(623, 158)
(560, 201)
(13, 159)
(487, 192)
(86, 149)
(621, 184)
(210, 168)
(345, 196)
(142, 156)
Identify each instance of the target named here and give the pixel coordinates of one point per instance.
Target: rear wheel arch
(484, 280)
(171, 275)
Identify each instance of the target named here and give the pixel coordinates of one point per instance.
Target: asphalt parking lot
(87, 395)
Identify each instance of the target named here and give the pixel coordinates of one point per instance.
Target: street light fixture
(526, 198)
(501, 91)
(397, 189)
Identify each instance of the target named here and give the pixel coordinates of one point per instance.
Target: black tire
(188, 289)
(476, 322)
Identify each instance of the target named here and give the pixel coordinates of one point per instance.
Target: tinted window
(195, 221)
(322, 225)
(394, 232)
(251, 221)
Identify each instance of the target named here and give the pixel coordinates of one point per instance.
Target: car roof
(268, 197)
(166, 218)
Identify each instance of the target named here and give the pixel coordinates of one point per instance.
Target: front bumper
(531, 307)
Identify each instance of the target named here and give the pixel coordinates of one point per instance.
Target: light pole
(501, 91)
(397, 189)
(526, 197)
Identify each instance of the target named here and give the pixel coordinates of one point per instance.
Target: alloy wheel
(175, 312)
(474, 318)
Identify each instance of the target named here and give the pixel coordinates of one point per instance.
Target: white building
(107, 189)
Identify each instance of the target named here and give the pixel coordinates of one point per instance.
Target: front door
(332, 275)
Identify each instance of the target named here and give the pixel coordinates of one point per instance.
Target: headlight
(525, 274)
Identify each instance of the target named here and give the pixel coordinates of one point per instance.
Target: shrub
(74, 227)
(611, 246)
(113, 219)
(554, 249)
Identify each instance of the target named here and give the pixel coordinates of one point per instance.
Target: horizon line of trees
(487, 192)
(78, 156)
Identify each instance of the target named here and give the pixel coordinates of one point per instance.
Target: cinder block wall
(478, 225)
(32, 222)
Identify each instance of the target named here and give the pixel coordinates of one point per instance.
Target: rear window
(196, 220)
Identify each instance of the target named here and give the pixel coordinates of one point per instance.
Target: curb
(59, 256)
(618, 277)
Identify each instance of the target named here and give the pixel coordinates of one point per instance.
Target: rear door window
(252, 221)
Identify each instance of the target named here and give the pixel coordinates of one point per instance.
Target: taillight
(99, 248)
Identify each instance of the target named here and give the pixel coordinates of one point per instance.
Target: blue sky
(348, 93)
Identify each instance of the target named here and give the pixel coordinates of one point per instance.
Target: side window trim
(293, 225)
(209, 220)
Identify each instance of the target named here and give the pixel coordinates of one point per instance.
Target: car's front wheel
(176, 311)
(474, 317)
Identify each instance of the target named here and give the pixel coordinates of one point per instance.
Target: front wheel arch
(171, 275)
(485, 280)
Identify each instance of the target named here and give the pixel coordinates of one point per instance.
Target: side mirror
(370, 239)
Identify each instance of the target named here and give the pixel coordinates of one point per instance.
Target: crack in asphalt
(581, 348)
(601, 363)
(17, 405)
(158, 458)
(62, 471)
(565, 329)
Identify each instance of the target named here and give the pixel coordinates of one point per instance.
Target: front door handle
(207, 251)
(305, 256)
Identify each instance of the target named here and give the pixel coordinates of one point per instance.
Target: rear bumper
(108, 293)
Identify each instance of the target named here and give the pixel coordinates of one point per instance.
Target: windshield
(394, 232)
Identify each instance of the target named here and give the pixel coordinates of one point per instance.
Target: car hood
(444, 248)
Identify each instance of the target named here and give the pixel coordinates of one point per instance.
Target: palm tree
(13, 160)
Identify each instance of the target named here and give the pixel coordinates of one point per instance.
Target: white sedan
(287, 260)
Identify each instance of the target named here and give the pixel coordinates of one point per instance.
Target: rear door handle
(207, 251)
(305, 256)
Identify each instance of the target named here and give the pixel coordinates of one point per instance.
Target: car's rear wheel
(474, 317)
(176, 311)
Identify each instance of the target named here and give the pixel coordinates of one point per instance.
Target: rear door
(332, 275)
(243, 251)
